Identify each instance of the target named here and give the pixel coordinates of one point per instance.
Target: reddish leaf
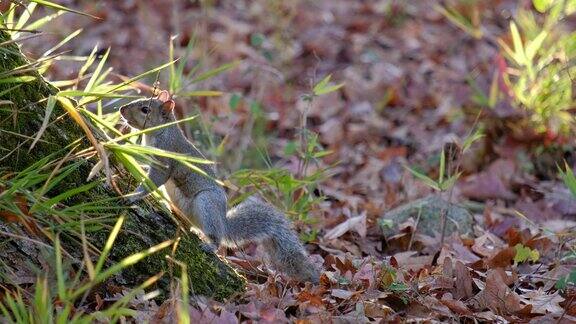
(502, 259)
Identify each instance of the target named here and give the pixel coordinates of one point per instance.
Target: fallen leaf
(543, 303)
(376, 310)
(408, 260)
(463, 289)
(503, 258)
(496, 296)
(342, 294)
(492, 183)
(456, 306)
(357, 223)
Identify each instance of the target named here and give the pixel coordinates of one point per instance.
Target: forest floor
(407, 96)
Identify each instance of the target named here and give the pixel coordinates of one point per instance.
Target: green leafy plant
(296, 192)
(524, 253)
(389, 281)
(568, 280)
(567, 175)
(442, 183)
(536, 68)
(542, 62)
(16, 309)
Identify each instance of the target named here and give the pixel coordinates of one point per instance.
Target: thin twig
(444, 210)
(566, 309)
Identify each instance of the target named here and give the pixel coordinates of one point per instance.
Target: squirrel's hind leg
(209, 208)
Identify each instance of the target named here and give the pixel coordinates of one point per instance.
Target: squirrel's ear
(168, 106)
(164, 96)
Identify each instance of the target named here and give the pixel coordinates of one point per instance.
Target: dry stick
(24, 238)
(303, 164)
(415, 229)
(20, 39)
(566, 309)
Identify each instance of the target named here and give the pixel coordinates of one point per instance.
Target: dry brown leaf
(408, 260)
(307, 296)
(463, 289)
(543, 303)
(342, 294)
(358, 223)
(487, 244)
(376, 310)
(502, 259)
(456, 306)
(496, 296)
(492, 183)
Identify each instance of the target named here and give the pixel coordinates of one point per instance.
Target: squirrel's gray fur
(203, 200)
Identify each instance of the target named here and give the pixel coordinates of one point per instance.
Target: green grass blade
(49, 107)
(25, 16)
(148, 130)
(97, 71)
(148, 150)
(568, 177)
(62, 43)
(59, 272)
(98, 95)
(428, 181)
(43, 21)
(65, 195)
(442, 166)
(109, 244)
(56, 6)
(124, 263)
(216, 71)
(19, 79)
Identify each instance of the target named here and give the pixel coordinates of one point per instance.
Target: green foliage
(442, 183)
(279, 185)
(296, 192)
(389, 281)
(569, 280)
(324, 86)
(543, 57)
(537, 75)
(524, 253)
(180, 81)
(568, 177)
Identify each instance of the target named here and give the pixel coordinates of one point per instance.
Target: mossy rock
(145, 226)
(427, 211)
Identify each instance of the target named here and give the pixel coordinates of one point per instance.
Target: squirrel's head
(145, 113)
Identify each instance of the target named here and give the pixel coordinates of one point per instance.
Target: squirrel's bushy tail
(256, 220)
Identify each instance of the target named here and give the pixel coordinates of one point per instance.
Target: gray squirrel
(204, 201)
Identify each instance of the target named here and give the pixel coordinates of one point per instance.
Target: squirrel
(204, 201)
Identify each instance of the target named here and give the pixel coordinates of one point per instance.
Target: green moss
(208, 274)
(26, 113)
(203, 278)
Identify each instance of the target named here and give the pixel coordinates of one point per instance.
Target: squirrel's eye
(144, 109)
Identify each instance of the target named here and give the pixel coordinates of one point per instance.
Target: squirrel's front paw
(208, 247)
(125, 202)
